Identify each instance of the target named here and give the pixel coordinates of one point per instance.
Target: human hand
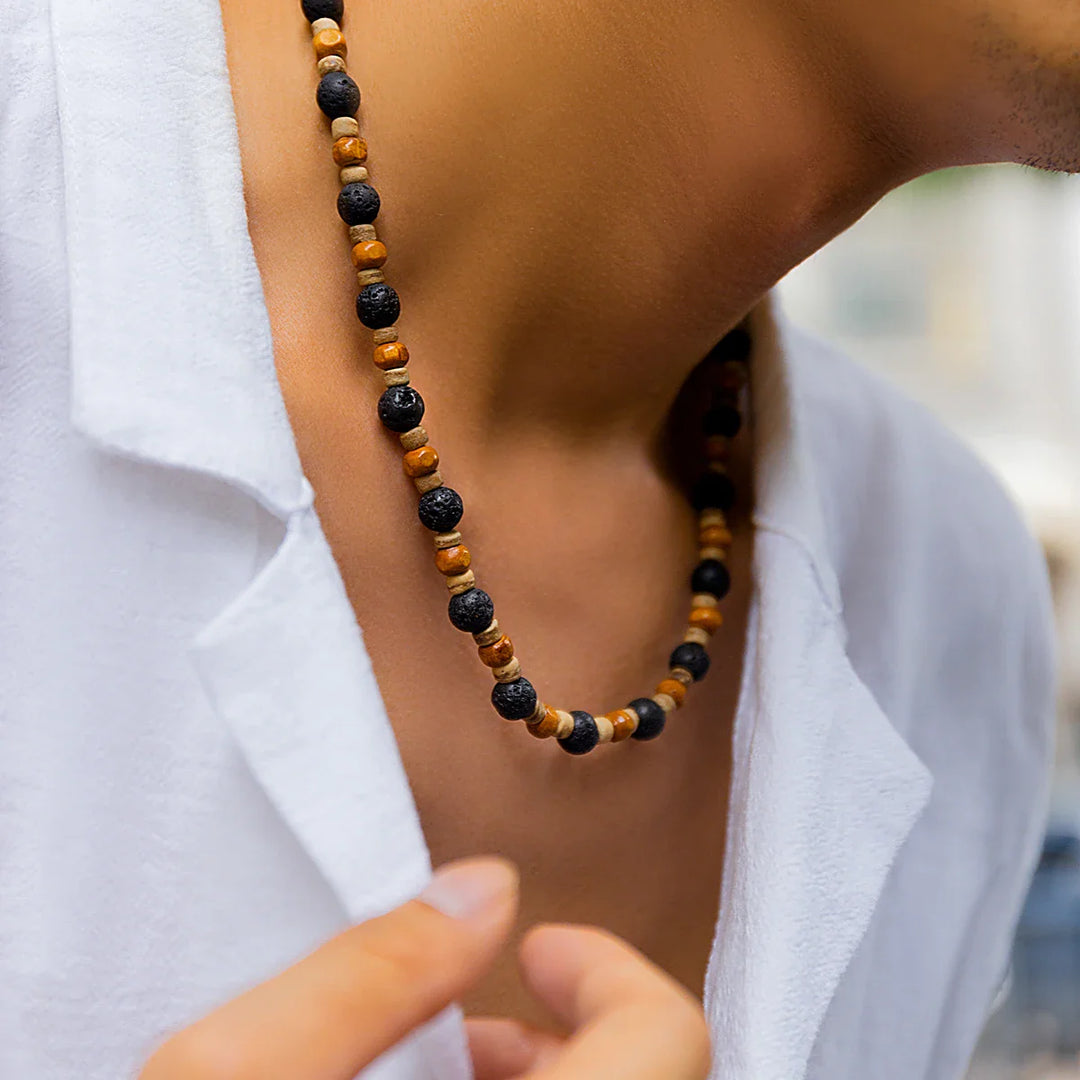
(335, 1011)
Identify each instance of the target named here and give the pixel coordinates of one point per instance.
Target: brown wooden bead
(341, 126)
(708, 619)
(396, 377)
(413, 438)
(350, 150)
(719, 554)
(681, 675)
(421, 461)
(353, 174)
(447, 539)
(330, 63)
(357, 235)
(547, 725)
(712, 516)
(625, 723)
(665, 701)
(369, 277)
(391, 355)
(424, 484)
(566, 724)
(714, 536)
(368, 255)
(696, 635)
(459, 583)
(387, 333)
(329, 42)
(604, 728)
(455, 560)
(498, 653)
(509, 671)
(491, 634)
(325, 24)
(673, 688)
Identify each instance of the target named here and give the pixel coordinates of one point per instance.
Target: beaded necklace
(440, 507)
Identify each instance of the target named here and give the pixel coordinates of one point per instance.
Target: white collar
(825, 790)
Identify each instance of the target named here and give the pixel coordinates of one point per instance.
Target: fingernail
(471, 889)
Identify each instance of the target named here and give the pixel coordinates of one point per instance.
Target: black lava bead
(440, 509)
(323, 9)
(734, 345)
(720, 419)
(401, 408)
(584, 736)
(713, 491)
(693, 657)
(377, 306)
(358, 204)
(338, 95)
(711, 576)
(471, 611)
(651, 718)
(514, 700)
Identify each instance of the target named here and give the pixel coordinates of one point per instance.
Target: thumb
(332, 1013)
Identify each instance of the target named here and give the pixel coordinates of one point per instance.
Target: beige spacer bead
(566, 724)
(353, 174)
(414, 438)
(682, 675)
(665, 701)
(358, 234)
(704, 599)
(342, 126)
(538, 713)
(330, 63)
(712, 516)
(385, 335)
(509, 671)
(711, 553)
(696, 635)
(459, 583)
(323, 24)
(369, 277)
(488, 636)
(424, 484)
(605, 727)
(398, 376)
(446, 540)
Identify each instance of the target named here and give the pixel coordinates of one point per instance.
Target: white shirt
(198, 780)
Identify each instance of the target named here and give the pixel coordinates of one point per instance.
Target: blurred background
(964, 289)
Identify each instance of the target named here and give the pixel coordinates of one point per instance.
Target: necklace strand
(440, 507)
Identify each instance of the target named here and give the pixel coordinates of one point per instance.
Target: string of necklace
(440, 507)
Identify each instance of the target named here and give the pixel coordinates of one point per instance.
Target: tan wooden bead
(329, 42)
(454, 560)
(358, 234)
(711, 553)
(391, 355)
(704, 599)
(509, 671)
(424, 484)
(413, 438)
(671, 688)
(625, 722)
(324, 24)
(665, 701)
(369, 277)
(547, 724)
(344, 127)
(349, 150)
(712, 516)
(387, 333)
(421, 461)
(353, 174)
(330, 63)
(682, 675)
(368, 254)
(709, 619)
(605, 728)
(539, 709)
(696, 635)
(566, 724)
(447, 539)
(396, 377)
(498, 653)
(459, 583)
(492, 633)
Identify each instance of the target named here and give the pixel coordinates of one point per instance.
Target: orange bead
(368, 254)
(732, 375)
(707, 618)
(715, 536)
(453, 560)
(349, 150)
(625, 724)
(422, 461)
(547, 725)
(329, 43)
(391, 355)
(673, 688)
(717, 448)
(497, 654)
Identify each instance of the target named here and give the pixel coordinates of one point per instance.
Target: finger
(339, 1008)
(629, 1018)
(502, 1049)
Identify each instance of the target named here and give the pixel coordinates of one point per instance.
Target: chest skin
(588, 567)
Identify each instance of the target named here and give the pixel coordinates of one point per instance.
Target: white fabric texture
(198, 780)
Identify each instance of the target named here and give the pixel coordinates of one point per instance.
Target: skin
(579, 200)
